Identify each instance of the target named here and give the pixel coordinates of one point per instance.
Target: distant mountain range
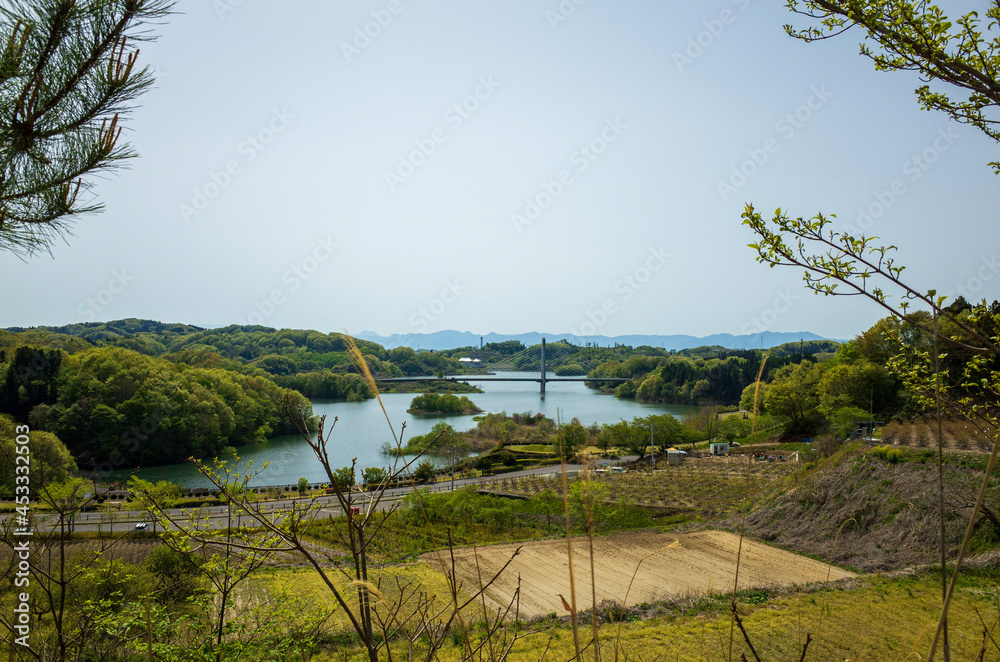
(452, 339)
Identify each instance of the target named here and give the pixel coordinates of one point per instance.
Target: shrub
(889, 454)
(344, 477)
(175, 573)
(374, 476)
(425, 472)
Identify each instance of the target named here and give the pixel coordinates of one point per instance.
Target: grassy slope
(886, 513)
(892, 522)
(879, 619)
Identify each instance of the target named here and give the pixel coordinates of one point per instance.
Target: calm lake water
(361, 429)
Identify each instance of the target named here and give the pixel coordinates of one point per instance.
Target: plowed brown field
(669, 565)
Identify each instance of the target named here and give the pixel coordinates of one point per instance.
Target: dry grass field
(664, 566)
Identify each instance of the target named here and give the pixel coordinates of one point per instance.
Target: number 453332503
(22, 469)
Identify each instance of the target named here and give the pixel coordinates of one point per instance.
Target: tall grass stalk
(359, 359)
(743, 509)
(970, 526)
(826, 599)
(946, 649)
(588, 511)
(571, 605)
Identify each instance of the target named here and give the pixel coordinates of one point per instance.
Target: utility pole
(543, 368)
(453, 468)
(652, 446)
(871, 414)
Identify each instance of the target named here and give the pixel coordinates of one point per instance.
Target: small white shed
(718, 449)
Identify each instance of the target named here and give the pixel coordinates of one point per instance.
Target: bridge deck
(475, 378)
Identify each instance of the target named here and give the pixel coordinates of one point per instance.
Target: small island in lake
(435, 404)
(432, 387)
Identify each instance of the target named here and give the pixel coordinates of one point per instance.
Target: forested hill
(698, 375)
(704, 374)
(243, 343)
(130, 392)
(135, 392)
(316, 364)
(114, 408)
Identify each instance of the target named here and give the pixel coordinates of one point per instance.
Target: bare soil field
(669, 565)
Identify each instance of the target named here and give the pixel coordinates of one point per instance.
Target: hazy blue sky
(507, 166)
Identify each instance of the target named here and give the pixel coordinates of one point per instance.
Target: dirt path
(669, 565)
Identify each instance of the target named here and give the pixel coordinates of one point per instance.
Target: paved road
(125, 521)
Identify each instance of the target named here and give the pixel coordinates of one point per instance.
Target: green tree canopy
(374, 476)
(441, 439)
(424, 472)
(860, 385)
(735, 427)
(794, 397)
(571, 439)
(442, 403)
(49, 459)
(163, 493)
(115, 408)
(753, 396)
(667, 430)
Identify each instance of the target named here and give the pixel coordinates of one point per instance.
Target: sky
(565, 166)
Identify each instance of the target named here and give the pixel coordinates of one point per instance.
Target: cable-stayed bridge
(524, 361)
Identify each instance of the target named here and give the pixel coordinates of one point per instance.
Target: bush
(374, 476)
(889, 454)
(175, 572)
(344, 477)
(425, 472)
(446, 403)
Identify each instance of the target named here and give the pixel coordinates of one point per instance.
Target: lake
(361, 429)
